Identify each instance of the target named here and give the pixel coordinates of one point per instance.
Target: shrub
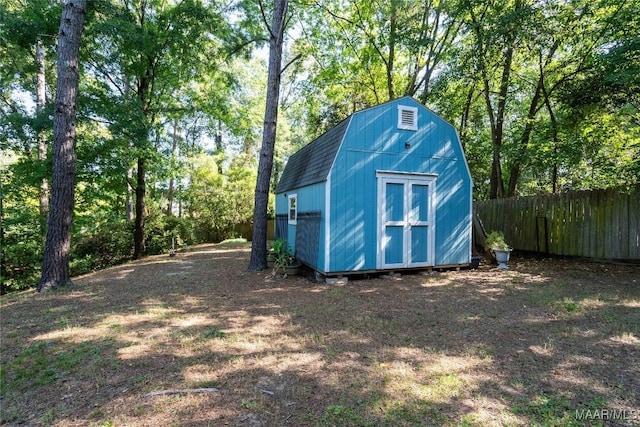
(110, 244)
(161, 229)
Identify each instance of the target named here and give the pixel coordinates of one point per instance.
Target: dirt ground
(195, 340)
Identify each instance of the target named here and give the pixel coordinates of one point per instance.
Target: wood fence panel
(603, 224)
(634, 226)
(245, 230)
(588, 232)
(567, 225)
(597, 248)
(607, 237)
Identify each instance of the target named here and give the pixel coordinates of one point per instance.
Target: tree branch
(264, 19)
(181, 391)
(290, 62)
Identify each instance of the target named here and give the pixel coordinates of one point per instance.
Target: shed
(388, 188)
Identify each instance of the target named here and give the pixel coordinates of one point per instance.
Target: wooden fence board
(601, 224)
(634, 227)
(587, 229)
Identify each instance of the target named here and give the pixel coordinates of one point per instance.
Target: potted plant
(284, 260)
(495, 243)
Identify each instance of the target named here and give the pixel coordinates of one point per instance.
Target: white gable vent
(407, 117)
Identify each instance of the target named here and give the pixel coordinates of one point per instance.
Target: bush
(21, 253)
(109, 245)
(22, 262)
(161, 229)
(207, 231)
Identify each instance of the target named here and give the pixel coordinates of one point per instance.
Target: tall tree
(518, 55)
(496, 35)
(563, 42)
(174, 146)
(279, 20)
(55, 266)
(28, 33)
(171, 70)
(41, 100)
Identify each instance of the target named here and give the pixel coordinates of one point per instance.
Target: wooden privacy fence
(601, 224)
(246, 230)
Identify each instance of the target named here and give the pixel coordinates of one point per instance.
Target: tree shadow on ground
(486, 347)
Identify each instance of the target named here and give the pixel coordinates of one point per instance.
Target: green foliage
(161, 81)
(165, 232)
(366, 53)
(570, 305)
(21, 261)
(108, 245)
(282, 255)
(559, 61)
(495, 240)
(213, 333)
(216, 201)
(22, 242)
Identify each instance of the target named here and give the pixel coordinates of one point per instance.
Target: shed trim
(382, 173)
(292, 208)
(407, 180)
(327, 222)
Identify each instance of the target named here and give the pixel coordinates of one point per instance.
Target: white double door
(406, 219)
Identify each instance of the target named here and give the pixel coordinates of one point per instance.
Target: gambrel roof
(312, 163)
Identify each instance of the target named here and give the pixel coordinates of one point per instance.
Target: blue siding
(310, 199)
(373, 143)
(453, 215)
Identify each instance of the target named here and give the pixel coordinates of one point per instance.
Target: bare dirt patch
(550, 342)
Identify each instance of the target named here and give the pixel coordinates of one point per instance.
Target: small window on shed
(407, 117)
(293, 209)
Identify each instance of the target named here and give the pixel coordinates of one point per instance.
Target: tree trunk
(171, 190)
(55, 266)
(129, 202)
(497, 116)
(392, 49)
(496, 184)
(41, 100)
(145, 82)
(464, 120)
(2, 261)
(258, 259)
(554, 127)
(497, 181)
(514, 173)
(139, 247)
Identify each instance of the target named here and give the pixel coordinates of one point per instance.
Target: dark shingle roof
(311, 164)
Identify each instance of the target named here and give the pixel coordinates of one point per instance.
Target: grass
(557, 409)
(45, 363)
(530, 346)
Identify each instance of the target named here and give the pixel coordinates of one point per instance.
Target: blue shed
(388, 188)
